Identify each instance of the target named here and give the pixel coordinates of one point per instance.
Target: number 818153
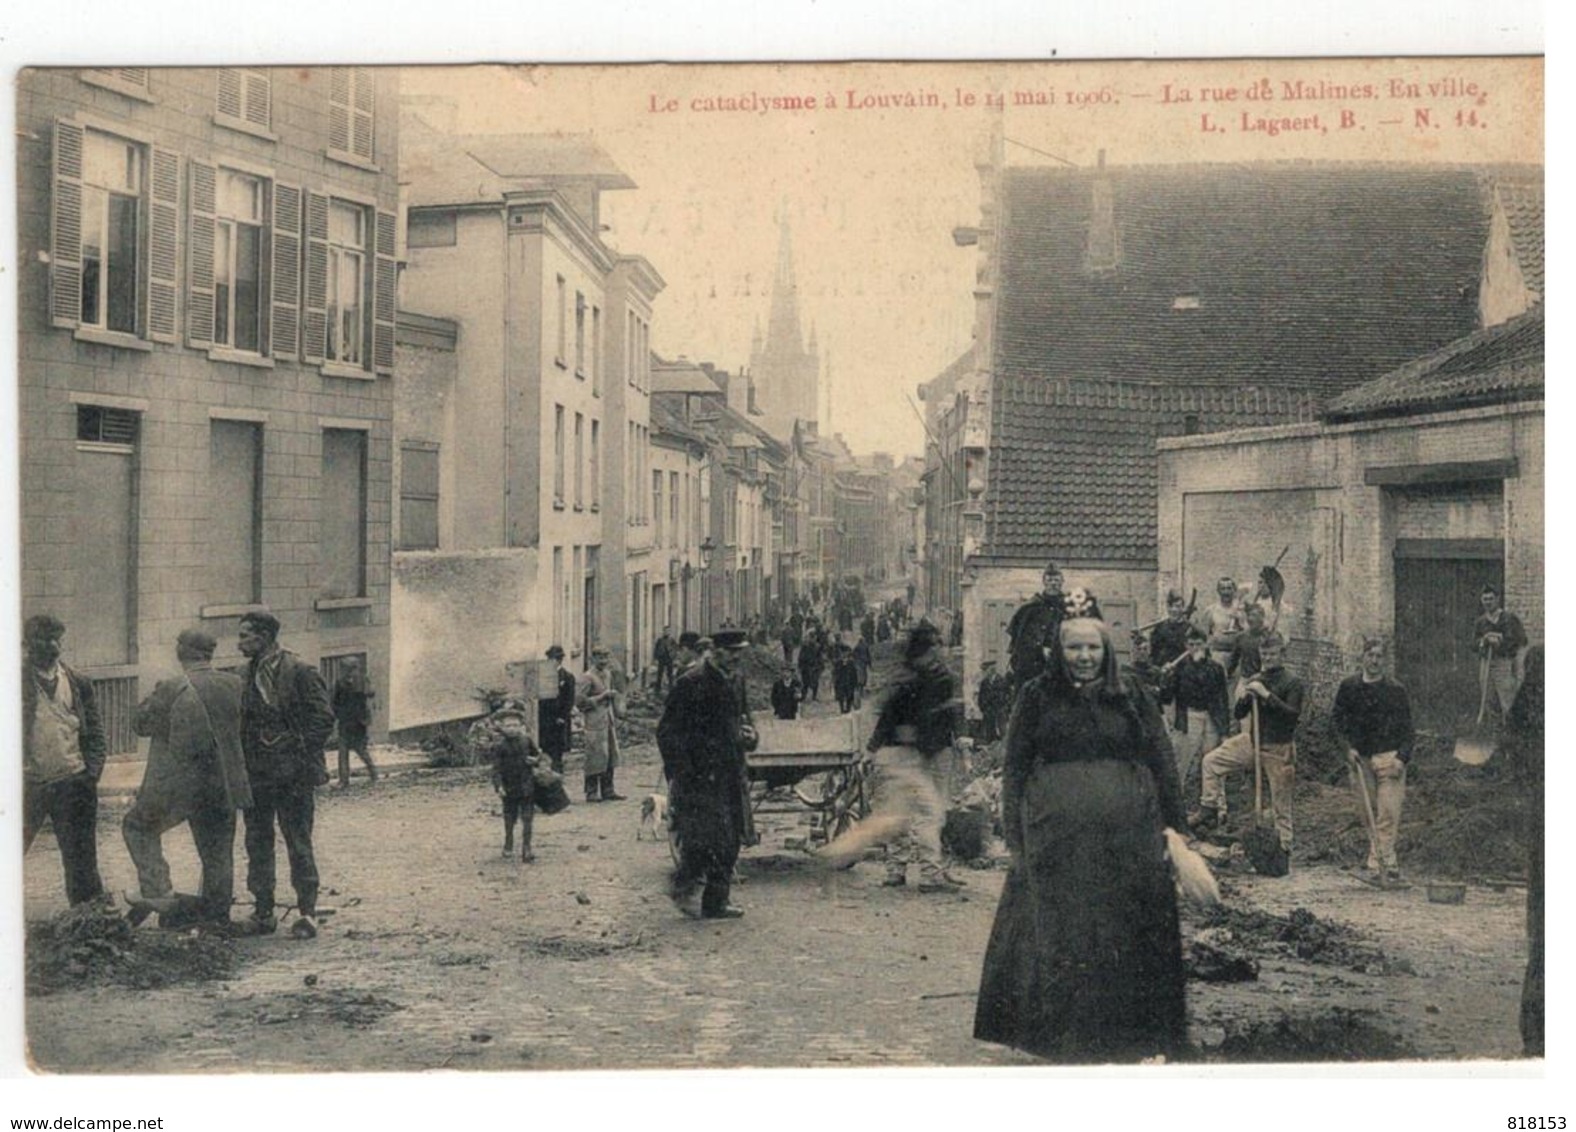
(1535, 1123)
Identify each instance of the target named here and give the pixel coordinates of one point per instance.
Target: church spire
(782, 328)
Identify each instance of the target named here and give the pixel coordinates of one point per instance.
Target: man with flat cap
(286, 719)
(196, 773)
(703, 737)
(554, 710)
(63, 752)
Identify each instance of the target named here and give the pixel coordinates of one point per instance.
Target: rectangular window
(111, 207)
(238, 262)
(235, 465)
(656, 503)
(576, 583)
(596, 351)
(563, 320)
(350, 111)
(342, 514)
(245, 97)
(580, 334)
(673, 508)
(580, 460)
(347, 283)
(418, 497)
(596, 464)
(558, 455)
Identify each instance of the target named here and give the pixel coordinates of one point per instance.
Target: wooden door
(1436, 604)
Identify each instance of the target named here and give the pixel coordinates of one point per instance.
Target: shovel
(1370, 818)
(1475, 746)
(1262, 843)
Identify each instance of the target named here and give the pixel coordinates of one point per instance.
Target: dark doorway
(1437, 584)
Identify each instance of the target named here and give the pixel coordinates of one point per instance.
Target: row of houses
(286, 342)
(1184, 372)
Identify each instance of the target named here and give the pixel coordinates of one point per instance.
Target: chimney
(1104, 249)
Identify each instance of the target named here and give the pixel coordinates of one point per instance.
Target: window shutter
(164, 202)
(314, 341)
(258, 97)
(385, 290)
(285, 272)
(361, 112)
(339, 109)
(230, 92)
(199, 265)
(65, 228)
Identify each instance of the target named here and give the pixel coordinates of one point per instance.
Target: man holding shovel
(1373, 717)
(1500, 639)
(1274, 699)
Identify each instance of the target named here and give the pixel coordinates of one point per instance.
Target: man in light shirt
(62, 756)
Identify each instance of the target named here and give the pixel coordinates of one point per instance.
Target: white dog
(653, 816)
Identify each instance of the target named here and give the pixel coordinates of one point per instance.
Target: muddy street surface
(441, 953)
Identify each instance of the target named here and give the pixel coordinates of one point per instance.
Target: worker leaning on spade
(1500, 640)
(1373, 716)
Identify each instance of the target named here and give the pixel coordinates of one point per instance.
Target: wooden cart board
(784, 739)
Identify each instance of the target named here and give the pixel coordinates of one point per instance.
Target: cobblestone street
(440, 953)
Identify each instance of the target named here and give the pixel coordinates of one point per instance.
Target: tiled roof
(1301, 274)
(1501, 364)
(1215, 286)
(1522, 201)
(1073, 467)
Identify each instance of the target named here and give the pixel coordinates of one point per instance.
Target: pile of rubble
(92, 944)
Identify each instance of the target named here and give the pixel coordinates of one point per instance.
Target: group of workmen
(1230, 701)
(222, 743)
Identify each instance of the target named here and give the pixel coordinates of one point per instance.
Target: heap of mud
(1225, 933)
(1458, 822)
(1338, 1035)
(92, 944)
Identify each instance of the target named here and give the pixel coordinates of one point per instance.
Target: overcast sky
(872, 195)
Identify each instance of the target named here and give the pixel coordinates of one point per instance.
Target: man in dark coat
(845, 678)
(1033, 626)
(810, 659)
(352, 700)
(1168, 640)
(662, 652)
(63, 753)
(196, 773)
(286, 720)
(786, 694)
(993, 698)
(703, 737)
(553, 710)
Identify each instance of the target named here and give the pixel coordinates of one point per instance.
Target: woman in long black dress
(1084, 962)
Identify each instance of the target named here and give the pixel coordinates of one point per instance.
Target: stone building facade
(206, 326)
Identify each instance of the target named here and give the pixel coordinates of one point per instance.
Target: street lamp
(707, 549)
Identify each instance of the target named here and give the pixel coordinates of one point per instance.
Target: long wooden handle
(1482, 689)
(1258, 769)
